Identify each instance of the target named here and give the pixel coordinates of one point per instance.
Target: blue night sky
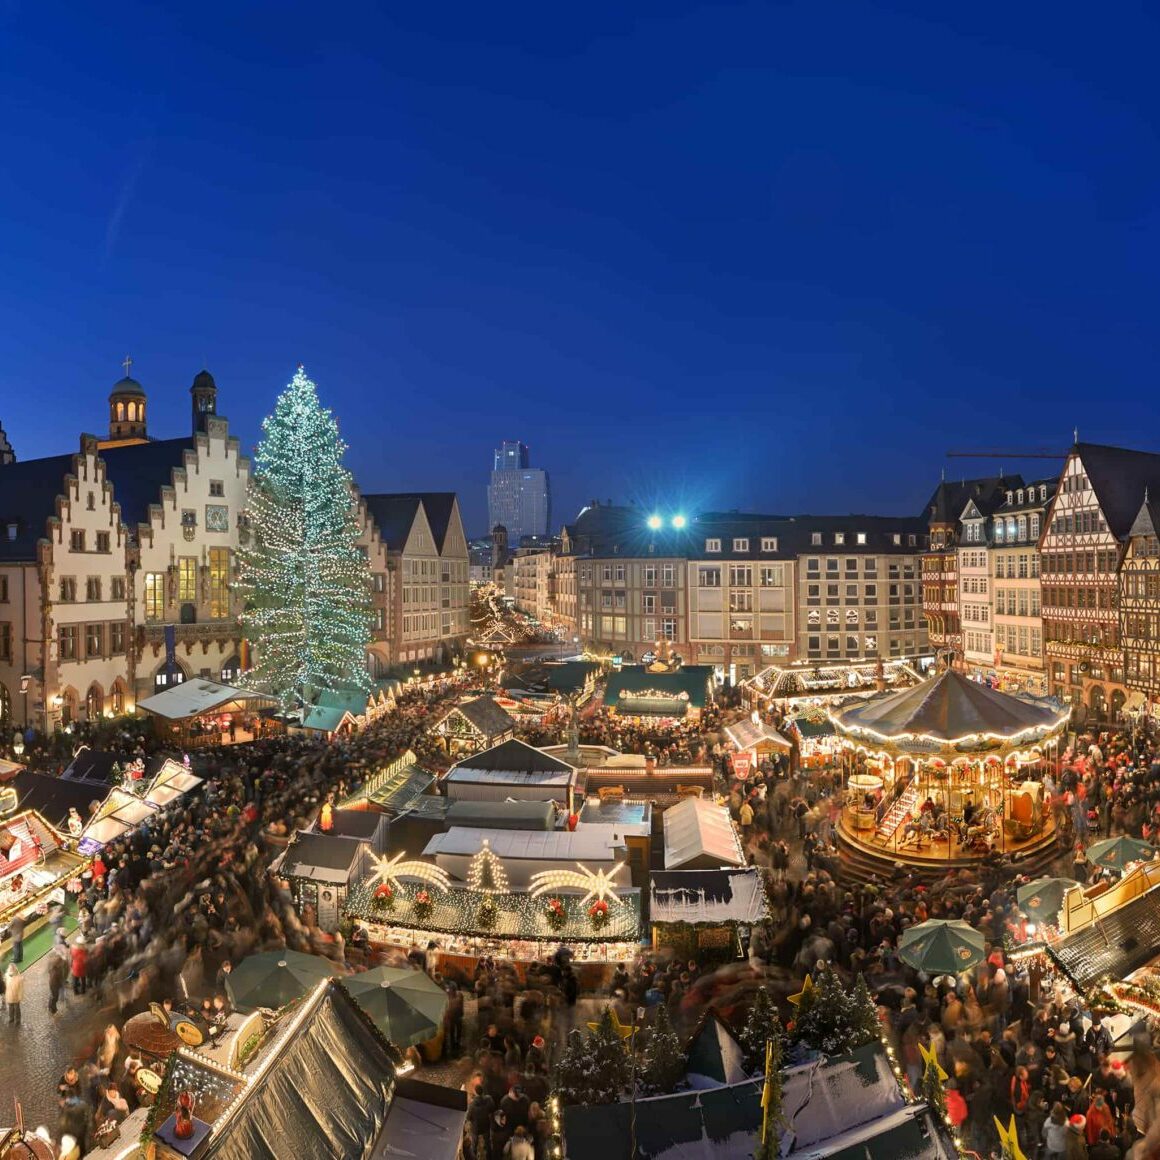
(777, 257)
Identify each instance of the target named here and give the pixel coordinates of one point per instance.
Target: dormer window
(10, 531)
(741, 545)
(712, 545)
(816, 539)
(1043, 493)
(839, 537)
(769, 543)
(861, 537)
(1009, 497)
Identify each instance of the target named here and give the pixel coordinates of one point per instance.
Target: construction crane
(1041, 454)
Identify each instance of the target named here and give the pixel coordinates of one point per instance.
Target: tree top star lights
(307, 586)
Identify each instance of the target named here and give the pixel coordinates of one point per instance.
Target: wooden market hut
(700, 910)
(321, 868)
(700, 835)
(474, 725)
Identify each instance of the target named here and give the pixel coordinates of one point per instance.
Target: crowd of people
(165, 910)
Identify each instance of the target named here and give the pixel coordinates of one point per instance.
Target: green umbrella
(941, 946)
(275, 978)
(1116, 853)
(404, 1004)
(1043, 898)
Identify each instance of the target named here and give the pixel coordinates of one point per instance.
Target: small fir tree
(593, 1069)
(306, 585)
(834, 1020)
(761, 1025)
(663, 1062)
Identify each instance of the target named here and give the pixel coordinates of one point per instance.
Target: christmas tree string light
(306, 584)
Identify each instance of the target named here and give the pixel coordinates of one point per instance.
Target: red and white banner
(741, 764)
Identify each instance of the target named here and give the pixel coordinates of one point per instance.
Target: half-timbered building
(1139, 592)
(1082, 547)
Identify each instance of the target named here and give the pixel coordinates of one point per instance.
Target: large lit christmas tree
(307, 586)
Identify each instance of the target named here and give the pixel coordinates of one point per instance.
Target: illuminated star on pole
(624, 1030)
(600, 884)
(807, 992)
(390, 870)
(929, 1059)
(1009, 1139)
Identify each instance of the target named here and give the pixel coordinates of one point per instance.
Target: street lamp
(655, 522)
(679, 521)
(18, 743)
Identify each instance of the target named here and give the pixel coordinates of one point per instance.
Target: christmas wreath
(556, 915)
(598, 913)
(384, 897)
(487, 914)
(423, 906)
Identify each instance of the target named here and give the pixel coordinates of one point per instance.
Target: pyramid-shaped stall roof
(950, 709)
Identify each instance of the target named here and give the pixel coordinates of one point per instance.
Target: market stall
(679, 693)
(474, 725)
(697, 910)
(172, 781)
(410, 904)
(35, 869)
(758, 739)
(201, 712)
(120, 812)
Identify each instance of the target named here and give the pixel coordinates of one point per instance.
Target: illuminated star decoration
(599, 884)
(624, 1030)
(807, 992)
(390, 870)
(929, 1060)
(1009, 1140)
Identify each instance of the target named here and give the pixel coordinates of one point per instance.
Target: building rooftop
(514, 763)
(585, 844)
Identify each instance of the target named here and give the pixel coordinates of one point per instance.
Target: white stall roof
(541, 845)
(512, 763)
(193, 697)
(700, 832)
(750, 734)
(172, 780)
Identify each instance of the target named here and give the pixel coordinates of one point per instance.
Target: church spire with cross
(127, 407)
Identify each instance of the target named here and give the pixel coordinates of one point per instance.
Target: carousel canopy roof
(949, 708)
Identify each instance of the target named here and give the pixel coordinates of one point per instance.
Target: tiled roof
(394, 516)
(139, 471)
(28, 493)
(491, 719)
(1119, 478)
(946, 505)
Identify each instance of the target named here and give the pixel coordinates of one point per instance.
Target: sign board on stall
(742, 763)
(715, 936)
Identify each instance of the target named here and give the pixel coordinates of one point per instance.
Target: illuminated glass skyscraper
(518, 496)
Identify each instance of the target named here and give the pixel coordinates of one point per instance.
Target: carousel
(947, 772)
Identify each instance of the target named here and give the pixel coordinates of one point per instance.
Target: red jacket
(79, 961)
(956, 1107)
